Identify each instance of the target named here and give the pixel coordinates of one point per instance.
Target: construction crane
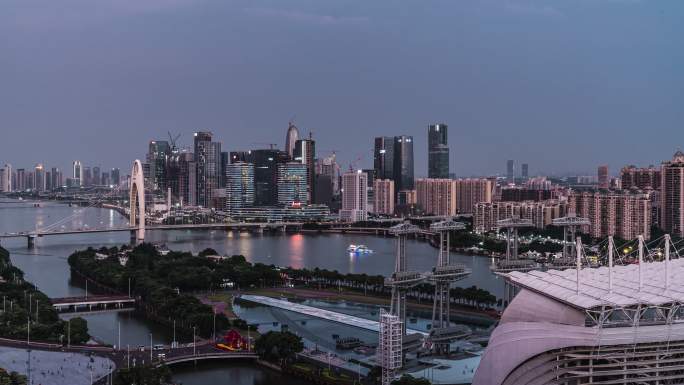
(353, 164)
(173, 140)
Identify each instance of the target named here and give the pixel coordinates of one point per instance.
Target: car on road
(141, 348)
(158, 347)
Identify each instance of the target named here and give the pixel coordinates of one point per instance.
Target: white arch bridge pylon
(137, 201)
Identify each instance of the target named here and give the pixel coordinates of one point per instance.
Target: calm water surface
(46, 265)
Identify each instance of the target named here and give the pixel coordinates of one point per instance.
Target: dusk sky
(562, 85)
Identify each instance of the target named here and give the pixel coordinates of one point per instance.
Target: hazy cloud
(529, 8)
(306, 17)
(39, 14)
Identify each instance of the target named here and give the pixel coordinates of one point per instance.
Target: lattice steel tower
(443, 275)
(402, 279)
(571, 223)
(512, 262)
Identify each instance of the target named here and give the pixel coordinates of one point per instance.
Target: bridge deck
(189, 226)
(91, 300)
(320, 313)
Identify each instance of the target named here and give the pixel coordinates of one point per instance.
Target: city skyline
(515, 80)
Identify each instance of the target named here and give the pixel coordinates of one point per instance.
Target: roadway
(137, 355)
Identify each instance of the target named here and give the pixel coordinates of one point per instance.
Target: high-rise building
(87, 176)
(603, 179)
(179, 167)
(30, 180)
(510, 171)
(290, 139)
(354, 197)
(292, 187)
(239, 185)
(207, 159)
(240, 156)
(672, 195)
(48, 180)
(541, 213)
(641, 178)
(97, 177)
(39, 178)
(438, 151)
(225, 161)
(407, 197)
(324, 190)
(192, 182)
(403, 162)
(370, 174)
(525, 169)
(328, 166)
(21, 180)
(471, 191)
(521, 194)
(305, 153)
(436, 196)
(383, 157)
(56, 178)
(383, 196)
(622, 213)
(105, 179)
(77, 172)
(6, 178)
(116, 176)
(265, 163)
(157, 157)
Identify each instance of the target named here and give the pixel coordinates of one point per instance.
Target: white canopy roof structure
(628, 289)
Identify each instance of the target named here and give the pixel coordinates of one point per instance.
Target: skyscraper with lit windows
(239, 185)
(438, 151)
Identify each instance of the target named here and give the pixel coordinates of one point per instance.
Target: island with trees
(24, 307)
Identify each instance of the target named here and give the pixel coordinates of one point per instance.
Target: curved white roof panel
(594, 291)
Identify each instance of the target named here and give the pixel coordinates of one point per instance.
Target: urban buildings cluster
(41, 179)
(270, 183)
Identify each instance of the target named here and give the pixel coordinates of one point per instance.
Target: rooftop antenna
(610, 264)
(641, 261)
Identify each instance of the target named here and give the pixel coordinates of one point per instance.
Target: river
(46, 266)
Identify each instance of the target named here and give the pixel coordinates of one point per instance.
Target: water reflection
(233, 373)
(296, 251)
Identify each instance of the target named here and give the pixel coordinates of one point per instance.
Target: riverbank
(28, 312)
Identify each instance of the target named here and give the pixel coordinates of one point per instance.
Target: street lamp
(194, 342)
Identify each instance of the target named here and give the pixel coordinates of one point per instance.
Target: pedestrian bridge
(208, 356)
(327, 315)
(92, 302)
